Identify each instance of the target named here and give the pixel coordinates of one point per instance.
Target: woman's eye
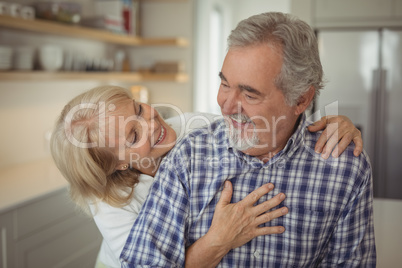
(139, 110)
(134, 138)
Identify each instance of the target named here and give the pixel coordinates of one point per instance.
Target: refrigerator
(363, 73)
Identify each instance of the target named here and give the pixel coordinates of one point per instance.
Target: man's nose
(232, 105)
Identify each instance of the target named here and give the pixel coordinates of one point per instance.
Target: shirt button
(281, 163)
(256, 254)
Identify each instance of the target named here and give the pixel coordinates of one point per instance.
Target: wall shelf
(104, 76)
(48, 27)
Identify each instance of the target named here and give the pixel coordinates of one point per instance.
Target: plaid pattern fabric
(330, 219)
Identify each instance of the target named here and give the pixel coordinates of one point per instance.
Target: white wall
(28, 109)
(246, 8)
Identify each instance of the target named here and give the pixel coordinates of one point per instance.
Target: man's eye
(224, 85)
(250, 97)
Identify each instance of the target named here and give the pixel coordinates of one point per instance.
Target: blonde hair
(88, 167)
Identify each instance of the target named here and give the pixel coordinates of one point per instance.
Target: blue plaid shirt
(330, 219)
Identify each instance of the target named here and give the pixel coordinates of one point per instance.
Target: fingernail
(282, 196)
(270, 186)
(281, 229)
(325, 155)
(284, 210)
(226, 184)
(318, 150)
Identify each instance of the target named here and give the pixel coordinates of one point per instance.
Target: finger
(255, 195)
(318, 125)
(334, 134)
(358, 146)
(269, 204)
(329, 146)
(269, 230)
(226, 195)
(324, 137)
(269, 216)
(342, 145)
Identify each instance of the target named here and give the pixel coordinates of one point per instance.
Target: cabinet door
(72, 243)
(353, 9)
(354, 13)
(6, 241)
(51, 232)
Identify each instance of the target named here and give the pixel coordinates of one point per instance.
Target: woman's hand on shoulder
(338, 133)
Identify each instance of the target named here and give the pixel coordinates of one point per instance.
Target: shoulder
(194, 147)
(347, 165)
(140, 194)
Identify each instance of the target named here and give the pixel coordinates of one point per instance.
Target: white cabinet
(357, 13)
(6, 239)
(48, 232)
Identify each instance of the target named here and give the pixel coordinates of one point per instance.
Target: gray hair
(301, 67)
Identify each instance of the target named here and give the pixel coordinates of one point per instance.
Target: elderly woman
(108, 147)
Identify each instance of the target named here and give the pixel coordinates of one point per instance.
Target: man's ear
(304, 101)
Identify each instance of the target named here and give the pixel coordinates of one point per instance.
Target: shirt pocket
(307, 234)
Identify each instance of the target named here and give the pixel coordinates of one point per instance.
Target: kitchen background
(176, 61)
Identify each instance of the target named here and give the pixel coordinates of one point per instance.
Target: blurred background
(170, 52)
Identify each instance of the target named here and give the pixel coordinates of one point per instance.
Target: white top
(115, 223)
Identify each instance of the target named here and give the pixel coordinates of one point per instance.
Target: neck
(149, 167)
(280, 143)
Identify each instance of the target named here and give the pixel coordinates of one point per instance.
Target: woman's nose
(149, 112)
(149, 115)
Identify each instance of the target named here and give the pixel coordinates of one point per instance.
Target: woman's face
(141, 137)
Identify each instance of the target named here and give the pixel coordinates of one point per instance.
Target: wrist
(206, 252)
(217, 242)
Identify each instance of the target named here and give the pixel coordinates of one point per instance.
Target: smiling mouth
(239, 122)
(162, 135)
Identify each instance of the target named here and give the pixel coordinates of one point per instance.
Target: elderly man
(270, 76)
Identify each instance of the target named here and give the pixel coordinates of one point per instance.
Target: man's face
(251, 103)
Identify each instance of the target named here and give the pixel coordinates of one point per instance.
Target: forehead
(256, 66)
(120, 118)
(123, 108)
(255, 57)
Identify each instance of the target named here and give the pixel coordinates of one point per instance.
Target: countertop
(24, 183)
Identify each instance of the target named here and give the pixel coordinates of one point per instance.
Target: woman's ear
(304, 101)
(123, 166)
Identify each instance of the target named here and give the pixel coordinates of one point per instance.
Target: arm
(157, 238)
(234, 225)
(352, 244)
(338, 133)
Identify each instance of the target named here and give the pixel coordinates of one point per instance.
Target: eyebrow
(243, 87)
(221, 76)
